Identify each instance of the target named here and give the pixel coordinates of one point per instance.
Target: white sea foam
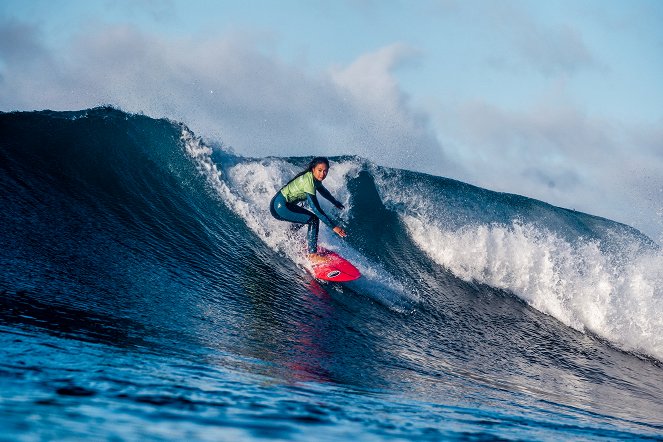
(253, 184)
(617, 298)
(613, 290)
(248, 187)
(247, 191)
(616, 294)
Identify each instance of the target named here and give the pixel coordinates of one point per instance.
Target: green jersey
(297, 189)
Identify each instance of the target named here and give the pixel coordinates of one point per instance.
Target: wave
(103, 202)
(590, 273)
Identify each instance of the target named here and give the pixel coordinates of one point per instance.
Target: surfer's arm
(314, 205)
(328, 196)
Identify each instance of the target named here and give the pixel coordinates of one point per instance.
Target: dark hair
(317, 160)
(311, 165)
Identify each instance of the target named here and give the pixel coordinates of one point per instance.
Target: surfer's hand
(340, 232)
(340, 206)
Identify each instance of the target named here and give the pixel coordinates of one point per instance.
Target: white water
(615, 292)
(620, 300)
(248, 187)
(617, 295)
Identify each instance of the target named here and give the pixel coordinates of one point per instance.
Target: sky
(561, 101)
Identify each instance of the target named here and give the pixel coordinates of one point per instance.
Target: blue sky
(557, 100)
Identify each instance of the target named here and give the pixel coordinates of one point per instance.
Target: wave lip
(577, 283)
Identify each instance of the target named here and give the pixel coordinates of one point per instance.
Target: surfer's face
(320, 171)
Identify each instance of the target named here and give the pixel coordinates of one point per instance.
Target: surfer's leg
(312, 234)
(283, 211)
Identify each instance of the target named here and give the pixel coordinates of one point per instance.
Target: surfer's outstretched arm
(328, 196)
(314, 205)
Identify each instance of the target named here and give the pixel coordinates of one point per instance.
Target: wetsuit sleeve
(313, 204)
(328, 196)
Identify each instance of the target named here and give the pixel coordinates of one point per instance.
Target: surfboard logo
(333, 274)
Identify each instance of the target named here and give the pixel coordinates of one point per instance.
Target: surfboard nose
(333, 267)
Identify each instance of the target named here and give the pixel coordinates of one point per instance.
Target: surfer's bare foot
(316, 258)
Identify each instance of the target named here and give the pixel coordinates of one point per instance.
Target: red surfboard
(333, 267)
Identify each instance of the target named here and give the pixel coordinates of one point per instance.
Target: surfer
(285, 205)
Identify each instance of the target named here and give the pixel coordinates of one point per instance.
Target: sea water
(147, 294)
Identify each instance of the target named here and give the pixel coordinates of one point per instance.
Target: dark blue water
(146, 294)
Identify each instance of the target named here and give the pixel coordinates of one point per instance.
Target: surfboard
(334, 267)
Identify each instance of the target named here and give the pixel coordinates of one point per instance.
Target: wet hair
(312, 165)
(315, 161)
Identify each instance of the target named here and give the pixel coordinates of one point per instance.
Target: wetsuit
(285, 206)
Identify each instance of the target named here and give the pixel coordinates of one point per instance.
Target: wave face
(145, 284)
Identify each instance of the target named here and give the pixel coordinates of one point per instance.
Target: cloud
(375, 94)
(556, 153)
(554, 51)
(19, 42)
(366, 78)
(549, 48)
(159, 10)
(225, 88)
